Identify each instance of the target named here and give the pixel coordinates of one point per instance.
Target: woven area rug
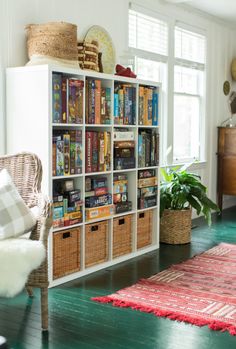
(200, 291)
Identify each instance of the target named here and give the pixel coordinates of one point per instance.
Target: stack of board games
(124, 104)
(124, 150)
(98, 200)
(120, 194)
(97, 151)
(66, 152)
(67, 204)
(147, 188)
(148, 106)
(67, 99)
(98, 103)
(148, 148)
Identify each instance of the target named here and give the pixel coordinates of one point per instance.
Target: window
(188, 93)
(184, 68)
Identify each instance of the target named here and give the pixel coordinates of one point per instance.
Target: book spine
(60, 158)
(141, 105)
(97, 101)
(116, 108)
(121, 106)
(72, 151)
(149, 102)
(66, 139)
(56, 98)
(64, 99)
(78, 152)
(94, 151)
(155, 109)
(88, 151)
(101, 156)
(123, 136)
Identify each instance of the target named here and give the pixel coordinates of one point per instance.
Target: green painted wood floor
(77, 322)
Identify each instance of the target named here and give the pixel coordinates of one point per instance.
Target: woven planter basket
(175, 227)
(54, 39)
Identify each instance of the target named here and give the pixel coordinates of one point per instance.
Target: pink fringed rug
(200, 291)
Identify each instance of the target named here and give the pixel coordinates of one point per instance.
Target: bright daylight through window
(154, 60)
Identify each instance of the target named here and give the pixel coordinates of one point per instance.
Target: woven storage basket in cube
(66, 252)
(144, 228)
(175, 227)
(96, 243)
(122, 235)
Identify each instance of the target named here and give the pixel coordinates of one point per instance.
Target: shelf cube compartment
(144, 228)
(66, 252)
(96, 243)
(122, 235)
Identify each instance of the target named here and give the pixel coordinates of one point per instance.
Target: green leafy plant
(181, 190)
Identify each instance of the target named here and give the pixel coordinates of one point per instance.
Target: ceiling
(224, 9)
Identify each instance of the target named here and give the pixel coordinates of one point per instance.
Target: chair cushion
(15, 217)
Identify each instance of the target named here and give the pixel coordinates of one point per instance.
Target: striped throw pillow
(15, 217)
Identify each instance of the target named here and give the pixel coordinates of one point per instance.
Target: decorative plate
(105, 46)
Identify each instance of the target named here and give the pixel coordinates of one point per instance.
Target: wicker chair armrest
(44, 221)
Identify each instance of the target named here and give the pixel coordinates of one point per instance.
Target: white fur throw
(18, 257)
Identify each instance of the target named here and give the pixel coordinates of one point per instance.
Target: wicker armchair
(26, 172)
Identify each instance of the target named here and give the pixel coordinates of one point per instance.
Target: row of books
(66, 152)
(120, 194)
(124, 104)
(98, 200)
(98, 103)
(147, 189)
(124, 149)
(148, 106)
(67, 204)
(67, 102)
(148, 148)
(67, 99)
(98, 151)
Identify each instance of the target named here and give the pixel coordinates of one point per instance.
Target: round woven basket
(54, 39)
(175, 227)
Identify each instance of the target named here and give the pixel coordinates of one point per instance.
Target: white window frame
(202, 107)
(167, 102)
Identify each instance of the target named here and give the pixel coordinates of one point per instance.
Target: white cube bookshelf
(30, 128)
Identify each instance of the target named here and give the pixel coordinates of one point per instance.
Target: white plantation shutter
(189, 45)
(147, 33)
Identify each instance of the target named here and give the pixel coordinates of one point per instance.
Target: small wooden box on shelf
(97, 136)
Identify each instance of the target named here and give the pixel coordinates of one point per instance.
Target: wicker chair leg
(44, 308)
(30, 291)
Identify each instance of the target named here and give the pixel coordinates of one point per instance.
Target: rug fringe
(213, 325)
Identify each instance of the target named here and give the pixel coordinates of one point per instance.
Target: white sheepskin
(18, 257)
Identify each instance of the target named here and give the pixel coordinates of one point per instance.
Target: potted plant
(180, 191)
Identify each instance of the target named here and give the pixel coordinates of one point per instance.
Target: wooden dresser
(226, 156)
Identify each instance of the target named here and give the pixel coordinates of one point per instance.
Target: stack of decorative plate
(88, 55)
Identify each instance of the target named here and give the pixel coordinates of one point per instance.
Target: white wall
(113, 16)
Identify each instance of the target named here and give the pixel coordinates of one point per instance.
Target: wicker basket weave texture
(122, 235)
(96, 243)
(66, 252)
(175, 227)
(144, 228)
(54, 39)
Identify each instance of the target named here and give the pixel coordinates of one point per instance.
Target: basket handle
(94, 228)
(121, 221)
(66, 235)
(141, 215)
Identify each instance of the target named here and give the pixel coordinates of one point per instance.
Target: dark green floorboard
(78, 322)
